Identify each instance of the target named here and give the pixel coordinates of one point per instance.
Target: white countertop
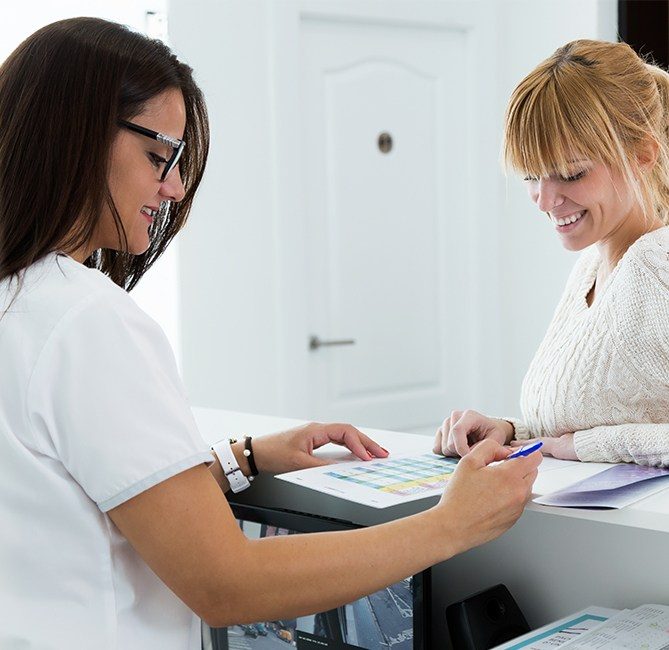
(651, 513)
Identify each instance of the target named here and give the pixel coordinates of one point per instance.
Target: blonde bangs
(554, 120)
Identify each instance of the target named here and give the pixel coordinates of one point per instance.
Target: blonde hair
(599, 100)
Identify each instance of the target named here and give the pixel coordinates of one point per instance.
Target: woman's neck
(615, 244)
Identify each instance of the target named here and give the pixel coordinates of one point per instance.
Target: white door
(388, 230)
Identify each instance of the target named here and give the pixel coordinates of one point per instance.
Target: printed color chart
(379, 483)
(402, 476)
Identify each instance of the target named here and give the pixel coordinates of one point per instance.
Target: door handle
(315, 343)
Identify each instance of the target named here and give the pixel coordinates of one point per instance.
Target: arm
(184, 529)
(293, 449)
(644, 444)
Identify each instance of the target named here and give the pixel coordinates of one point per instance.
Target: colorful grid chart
(401, 476)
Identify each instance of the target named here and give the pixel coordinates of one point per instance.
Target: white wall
(534, 266)
(157, 293)
(230, 278)
(229, 320)
(23, 19)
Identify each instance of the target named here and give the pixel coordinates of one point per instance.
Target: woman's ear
(647, 155)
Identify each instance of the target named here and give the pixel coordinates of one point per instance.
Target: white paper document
(615, 487)
(643, 628)
(379, 483)
(559, 633)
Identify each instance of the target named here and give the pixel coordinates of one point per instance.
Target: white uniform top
(92, 413)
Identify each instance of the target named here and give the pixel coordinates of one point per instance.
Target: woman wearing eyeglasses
(116, 532)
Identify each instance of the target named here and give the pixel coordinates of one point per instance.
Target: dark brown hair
(62, 92)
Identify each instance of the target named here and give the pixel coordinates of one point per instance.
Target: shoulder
(61, 301)
(58, 288)
(638, 310)
(640, 288)
(650, 254)
(66, 279)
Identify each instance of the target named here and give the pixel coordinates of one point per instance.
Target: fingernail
(384, 449)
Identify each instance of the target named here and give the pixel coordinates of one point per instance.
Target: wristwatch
(231, 469)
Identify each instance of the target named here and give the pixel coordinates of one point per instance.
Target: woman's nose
(546, 194)
(172, 188)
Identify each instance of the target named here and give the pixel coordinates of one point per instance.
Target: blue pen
(525, 450)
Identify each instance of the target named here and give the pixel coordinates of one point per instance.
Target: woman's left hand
(293, 449)
(561, 447)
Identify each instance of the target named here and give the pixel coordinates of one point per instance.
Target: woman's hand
(482, 500)
(561, 447)
(463, 429)
(293, 449)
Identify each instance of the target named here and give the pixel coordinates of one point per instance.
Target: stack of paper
(615, 487)
(594, 628)
(646, 627)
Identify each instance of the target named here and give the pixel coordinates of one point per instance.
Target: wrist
(510, 433)
(242, 460)
(228, 467)
(439, 524)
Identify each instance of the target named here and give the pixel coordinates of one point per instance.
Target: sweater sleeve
(520, 430)
(643, 444)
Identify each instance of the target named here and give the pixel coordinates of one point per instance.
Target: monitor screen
(393, 617)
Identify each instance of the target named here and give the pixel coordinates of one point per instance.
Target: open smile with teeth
(572, 218)
(148, 211)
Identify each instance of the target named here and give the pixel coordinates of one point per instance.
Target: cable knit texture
(603, 372)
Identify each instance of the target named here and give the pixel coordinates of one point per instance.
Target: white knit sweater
(603, 372)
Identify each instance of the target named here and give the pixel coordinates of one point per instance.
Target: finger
(373, 447)
(438, 448)
(531, 477)
(524, 466)
(352, 439)
(460, 433)
(528, 441)
(444, 431)
(488, 451)
(449, 449)
(446, 438)
(449, 443)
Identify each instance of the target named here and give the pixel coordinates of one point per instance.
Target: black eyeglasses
(177, 145)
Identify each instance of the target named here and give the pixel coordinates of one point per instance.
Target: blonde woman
(587, 129)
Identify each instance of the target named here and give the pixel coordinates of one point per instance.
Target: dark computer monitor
(395, 617)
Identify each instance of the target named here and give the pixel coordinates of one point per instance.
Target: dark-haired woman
(115, 529)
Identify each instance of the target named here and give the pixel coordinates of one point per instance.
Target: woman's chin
(139, 247)
(575, 245)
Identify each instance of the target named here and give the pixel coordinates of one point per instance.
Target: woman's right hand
(463, 429)
(481, 501)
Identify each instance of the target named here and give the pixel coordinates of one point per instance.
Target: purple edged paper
(615, 487)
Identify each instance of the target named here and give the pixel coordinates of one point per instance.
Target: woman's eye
(156, 160)
(530, 179)
(574, 177)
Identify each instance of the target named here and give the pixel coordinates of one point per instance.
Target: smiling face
(593, 204)
(136, 164)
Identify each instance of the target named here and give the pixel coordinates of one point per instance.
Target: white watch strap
(233, 473)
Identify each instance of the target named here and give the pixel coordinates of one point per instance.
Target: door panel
(385, 233)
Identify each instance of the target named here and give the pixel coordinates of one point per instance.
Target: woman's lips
(569, 222)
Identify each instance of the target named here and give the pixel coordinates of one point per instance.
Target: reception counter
(554, 560)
